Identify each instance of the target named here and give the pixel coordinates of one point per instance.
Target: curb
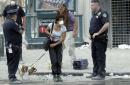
(82, 73)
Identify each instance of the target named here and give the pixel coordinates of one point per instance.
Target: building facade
(119, 11)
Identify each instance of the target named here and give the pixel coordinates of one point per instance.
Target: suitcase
(80, 64)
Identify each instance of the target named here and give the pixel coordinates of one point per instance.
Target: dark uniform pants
(99, 47)
(56, 59)
(13, 60)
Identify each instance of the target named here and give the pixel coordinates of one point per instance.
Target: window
(121, 22)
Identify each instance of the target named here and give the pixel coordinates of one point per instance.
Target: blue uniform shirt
(11, 32)
(97, 21)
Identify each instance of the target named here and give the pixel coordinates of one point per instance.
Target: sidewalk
(117, 61)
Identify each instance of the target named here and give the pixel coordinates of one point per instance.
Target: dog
(26, 69)
(31, 70)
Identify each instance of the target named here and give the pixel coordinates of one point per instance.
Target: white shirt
(57, 34)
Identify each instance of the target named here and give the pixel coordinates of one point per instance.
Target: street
(69, 82)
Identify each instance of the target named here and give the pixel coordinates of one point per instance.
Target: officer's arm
(4, 13)
(24, 22)
(105, 21)
(104, 28)
(17, 28)
(22, 13)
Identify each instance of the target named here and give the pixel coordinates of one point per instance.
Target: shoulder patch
(104, 15)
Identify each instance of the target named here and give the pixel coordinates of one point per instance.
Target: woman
(57, 38)
(71, 25)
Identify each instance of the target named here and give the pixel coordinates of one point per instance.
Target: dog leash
(37, 59)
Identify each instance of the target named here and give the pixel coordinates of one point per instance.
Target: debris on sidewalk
(124, 46)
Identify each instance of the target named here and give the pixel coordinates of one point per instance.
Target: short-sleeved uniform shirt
(11, 32)
(97, 21)
(57, 34)
(20, 12)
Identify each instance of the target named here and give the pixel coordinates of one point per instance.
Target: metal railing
(120, 22)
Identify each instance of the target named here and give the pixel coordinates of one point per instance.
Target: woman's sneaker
(98, 77)
(91, 75)
(14, 81)
(59, 78)
(55, 78)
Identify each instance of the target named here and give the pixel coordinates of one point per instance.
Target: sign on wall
(49, 5)
(43, 24)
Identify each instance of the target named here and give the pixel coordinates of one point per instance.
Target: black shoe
(55, 78)
(59, 78)
(98, 77)
(92, 75)
(14, 81)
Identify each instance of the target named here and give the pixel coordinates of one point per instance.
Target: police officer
(13, 42)
(99, 25)
(20, 15)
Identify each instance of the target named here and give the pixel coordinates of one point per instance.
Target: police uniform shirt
(20, 12)
(97, 21)
(11, 32)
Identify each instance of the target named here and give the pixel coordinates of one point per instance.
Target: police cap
(12, 12)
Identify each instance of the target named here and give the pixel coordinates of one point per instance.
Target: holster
(101, 38)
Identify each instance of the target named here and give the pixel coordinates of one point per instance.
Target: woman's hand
(52, 45)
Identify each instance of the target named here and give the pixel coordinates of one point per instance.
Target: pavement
(72, 82)
(117, 65)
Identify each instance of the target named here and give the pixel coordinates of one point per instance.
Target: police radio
(20, 29)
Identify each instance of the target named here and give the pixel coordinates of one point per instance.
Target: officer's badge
(99, 13)
(105, 15)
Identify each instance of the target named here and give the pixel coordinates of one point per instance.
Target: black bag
(80, 64)
(47, 41)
